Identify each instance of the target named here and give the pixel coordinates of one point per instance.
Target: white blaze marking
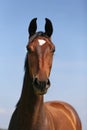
(41, 42)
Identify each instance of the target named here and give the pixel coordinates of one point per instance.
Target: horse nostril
(36, 81)
(48, 82)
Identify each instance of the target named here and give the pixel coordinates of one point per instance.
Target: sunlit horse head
(40, 55)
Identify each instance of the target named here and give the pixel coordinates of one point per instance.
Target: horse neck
(31, 104)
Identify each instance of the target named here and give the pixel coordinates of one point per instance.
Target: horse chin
(38, 91)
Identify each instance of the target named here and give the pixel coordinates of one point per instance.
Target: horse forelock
(40, 33)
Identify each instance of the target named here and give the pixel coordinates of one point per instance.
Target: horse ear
(48, 27)
(32, 27)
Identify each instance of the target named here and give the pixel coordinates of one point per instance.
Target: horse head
(40, 54)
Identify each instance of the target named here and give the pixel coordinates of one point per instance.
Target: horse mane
(26, 70)
(26, 63)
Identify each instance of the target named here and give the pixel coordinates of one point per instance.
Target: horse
(31, 112)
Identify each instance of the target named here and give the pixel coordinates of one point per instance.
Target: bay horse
(31, 112)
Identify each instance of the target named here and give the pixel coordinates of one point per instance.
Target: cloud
(2, 111)
(5, 115)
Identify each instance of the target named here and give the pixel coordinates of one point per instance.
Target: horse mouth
(41, 87)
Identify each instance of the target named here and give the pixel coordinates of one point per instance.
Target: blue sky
(69, 72)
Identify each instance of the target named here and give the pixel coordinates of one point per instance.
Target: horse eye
(29, 49)
(53, 50)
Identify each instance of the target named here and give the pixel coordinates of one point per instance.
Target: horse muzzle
(40, 87)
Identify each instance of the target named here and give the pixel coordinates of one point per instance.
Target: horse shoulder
(62, 113)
